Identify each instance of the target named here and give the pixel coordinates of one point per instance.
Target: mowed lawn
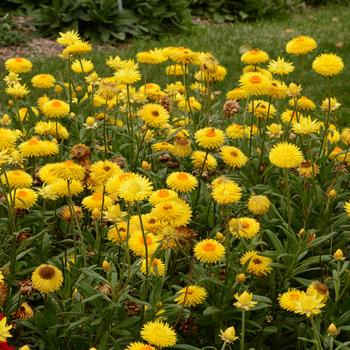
(327, 25)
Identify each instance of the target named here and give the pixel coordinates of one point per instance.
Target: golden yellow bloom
(277, 90)
(198, 160)
(24, 198)
(258, 265)
(244, 301)
(209, 251)
(236, 94)
(309, 305)
(17, 179)
(156, 267)
(154, 115)
(159, 334)
(175, 212)
(307, 169)
(102, 171)
(38, 148)
(83, 66)
(244, 227)
(155, 56)
(184, 56)
(319, 289)
(181, 181)
(96, 200)
(289, 300)
(175, 69)
(68, 38)
(328, 64)
(59, 188)
(68, 170)
(229, 335)
(286, 155)
(77, 47)
(233, 156)
(162, 195)
(47, 278)
(51, 128)
(209, 138)
(301, 45)
(138, 346)
(306, 126)
(254, 56)
(118, 233)
(262, 109)
(241, 278)
(128, 76)
(135, 188)
(192, 104)
(24, 312)
(289, 116)
(18, 65)
(4, 330)
(17, 90)
(254, 83)
(235, 131)
(280, 66)
(258, 204)
(55, 109)
(43, 81)
(332, 104)
(191, 296)
(227, 192)
(303, 103)
(138, 245)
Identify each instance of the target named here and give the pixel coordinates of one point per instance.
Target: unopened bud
(241, 278)
(338, 255)
(332, 329)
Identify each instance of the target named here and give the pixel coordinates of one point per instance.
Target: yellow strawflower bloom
(244, 301)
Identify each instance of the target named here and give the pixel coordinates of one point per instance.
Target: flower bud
(90, 121)
(241, 278)
(106, 265)
(229, 336)
(219, 236)
(338, 255)
(332, 329)
(331, 193)
(145, 165)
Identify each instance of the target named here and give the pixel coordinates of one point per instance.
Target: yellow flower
(277, 90)
(156, 267)
(128, 76)
(303, 103)
(155, 56)
(24, 198)
(258, 204)
(328, 65)
(55, 109)
(254, 56)
(18, 65)
(332, 104)
(17, 179)
(307, 169)
(280, 66)
(244, 301)
(181, 181)
(51, 128)
(198, 160)
(309, 305)
(83, 66)
(332, 330)
(306, 126)
(95, 201)
(154, 115)
(226, 193)
(138, 346)
(68, 38)
(175, 69)
(209, 251)
(257, 265)
(286, 155)
(47, 278)
(102, 171)
(229, 335)
(244, 227)
(135, 188)
(175, 212)
(262, 109)
(236, 94)
(319, 289)
(138, 245)
(24, 312)
(191, 296)
(38, 148)
(209, 138)
(17, 90)
(4, 330)
(43, 81)
(59, 188)
(235, 131)
(233, 156)
(182, 147)
(301, 45)
(189, 105)
(289, 116)
(184, 56)
(159, 334)
(118, 233)
(288, 300)
(77, 47)
(162, 195)
(254, 83)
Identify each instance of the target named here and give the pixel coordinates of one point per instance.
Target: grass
(325, 24)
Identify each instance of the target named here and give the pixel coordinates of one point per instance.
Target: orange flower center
(22, 194)
(244, 225)
(33, 142)
(155, 113)
(182, 176)
(255, 79)
(69, 163)
(209, 247)
(210, 132)
(234, 154)
(167, 207)
(56, 104)
(163, 193)
(19, 59)
(147, 347)
(257, 261)
(255, 51)
(96, 197)
(106, 168)
(149, 240)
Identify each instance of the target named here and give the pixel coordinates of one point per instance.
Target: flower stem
(243, 330)
(316, 335)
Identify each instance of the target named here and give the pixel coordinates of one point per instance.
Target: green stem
(243, 330)
(315, 333)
